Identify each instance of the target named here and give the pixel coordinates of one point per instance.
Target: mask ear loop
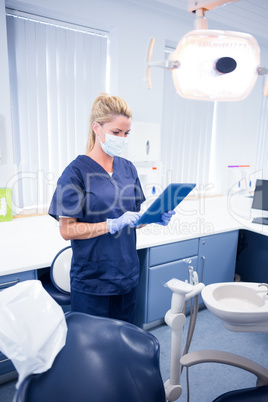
(98, 125)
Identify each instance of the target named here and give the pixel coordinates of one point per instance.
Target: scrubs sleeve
(68, 198)
(139, 195)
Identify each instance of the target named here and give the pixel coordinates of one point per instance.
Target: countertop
(32, 243)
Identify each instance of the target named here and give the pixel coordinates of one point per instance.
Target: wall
(237, 125)
(130, 26)
(6, 161)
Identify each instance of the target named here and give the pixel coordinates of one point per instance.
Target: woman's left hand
(166, 217)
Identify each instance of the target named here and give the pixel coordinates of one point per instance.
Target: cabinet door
(252, 257)
(217, 257)
(159, 296)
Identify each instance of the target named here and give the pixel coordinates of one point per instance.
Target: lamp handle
(168, 64)
(148, 59)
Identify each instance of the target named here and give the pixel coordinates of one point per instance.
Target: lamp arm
(194, 5)
(200, 21)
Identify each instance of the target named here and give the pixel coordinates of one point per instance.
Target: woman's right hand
(129, 218)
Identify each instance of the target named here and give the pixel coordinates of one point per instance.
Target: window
(262, 140)
(186, 136)
(56, 71)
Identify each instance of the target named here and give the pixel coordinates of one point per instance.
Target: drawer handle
(9, 283)
(3, 361)
(203, 268)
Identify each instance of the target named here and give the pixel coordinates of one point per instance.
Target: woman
(97, 202)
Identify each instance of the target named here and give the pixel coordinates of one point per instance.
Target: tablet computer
(172, 196)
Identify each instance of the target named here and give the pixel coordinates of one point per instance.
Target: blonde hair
(104, 110)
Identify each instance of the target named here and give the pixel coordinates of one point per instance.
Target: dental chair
(103, 360)
(57, 280)
(259, 394)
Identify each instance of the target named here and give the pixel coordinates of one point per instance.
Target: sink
(242, 306)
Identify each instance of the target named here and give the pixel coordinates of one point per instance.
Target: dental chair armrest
(215, 356)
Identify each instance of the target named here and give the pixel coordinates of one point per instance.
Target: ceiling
(250, 16)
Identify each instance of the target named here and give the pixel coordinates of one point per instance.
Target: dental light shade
(215, 65)
(210, 64)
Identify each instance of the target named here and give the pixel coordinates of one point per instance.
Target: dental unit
(175, 318)
(242, 306)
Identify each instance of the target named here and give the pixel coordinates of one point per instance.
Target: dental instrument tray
(169, 199)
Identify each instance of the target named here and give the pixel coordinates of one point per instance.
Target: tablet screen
(172, 196)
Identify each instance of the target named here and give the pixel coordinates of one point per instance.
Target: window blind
(56, 71)
(187, 136)
(262, 140)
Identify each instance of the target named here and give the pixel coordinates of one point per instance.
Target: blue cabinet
(252, 257)
(159, 296)
(217, 257)
(6, 366)
(158, 265)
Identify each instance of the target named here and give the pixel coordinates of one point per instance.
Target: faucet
(193, 276)
(264, 284)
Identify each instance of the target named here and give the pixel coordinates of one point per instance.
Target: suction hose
(190, 332)
(193, 317)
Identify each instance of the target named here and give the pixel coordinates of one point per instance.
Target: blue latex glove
(128, 218)
(166, 216)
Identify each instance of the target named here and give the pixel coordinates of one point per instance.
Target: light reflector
(198, 54)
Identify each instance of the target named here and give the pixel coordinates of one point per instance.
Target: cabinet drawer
(8, 280)
(172, 252)
(5, 364)
(159, 296)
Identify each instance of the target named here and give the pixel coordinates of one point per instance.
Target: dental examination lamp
(212, 64)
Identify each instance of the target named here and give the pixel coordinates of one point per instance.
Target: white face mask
(113, 145)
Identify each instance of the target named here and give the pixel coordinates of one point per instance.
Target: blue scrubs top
(106, 264)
